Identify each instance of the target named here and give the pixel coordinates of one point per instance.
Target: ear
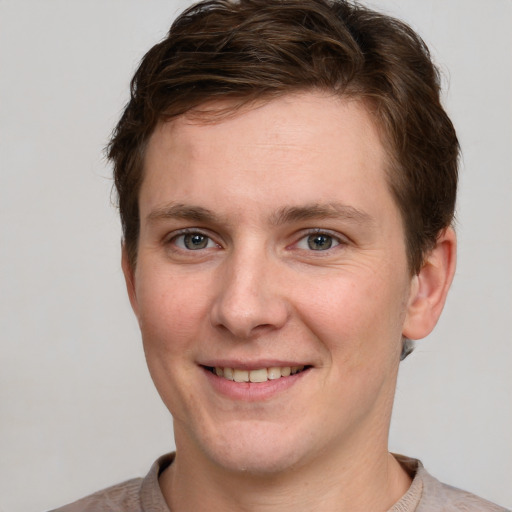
(430, 287)
(129, 278)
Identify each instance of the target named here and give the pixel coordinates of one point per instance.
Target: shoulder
(440, 497)
(427, 494)
(123, 497)
(130, 496)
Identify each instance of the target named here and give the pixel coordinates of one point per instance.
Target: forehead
(302, 148)
(300, 114)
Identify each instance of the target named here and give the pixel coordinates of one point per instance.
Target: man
(287, 180)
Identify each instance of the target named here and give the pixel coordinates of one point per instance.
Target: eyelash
(335, 238)
(332, 238)
(173, 240)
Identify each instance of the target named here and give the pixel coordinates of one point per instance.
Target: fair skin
(269, 240)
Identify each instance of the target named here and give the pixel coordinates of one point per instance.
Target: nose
(251, 299)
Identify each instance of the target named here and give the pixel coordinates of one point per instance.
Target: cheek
(170, 317)
(171, 310)
(356, 317)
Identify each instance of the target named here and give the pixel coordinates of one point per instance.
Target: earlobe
(429, 288)
(129, 278)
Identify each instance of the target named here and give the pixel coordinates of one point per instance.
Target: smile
(257, 375)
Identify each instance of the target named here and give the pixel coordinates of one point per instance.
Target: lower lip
(253, 391)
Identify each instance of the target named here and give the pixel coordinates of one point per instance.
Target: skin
(257, 188)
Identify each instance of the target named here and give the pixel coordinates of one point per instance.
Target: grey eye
(320, 242)
(194, 241)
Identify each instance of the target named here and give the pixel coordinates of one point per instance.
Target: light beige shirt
(426, 494)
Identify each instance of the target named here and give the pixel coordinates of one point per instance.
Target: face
(272, 284)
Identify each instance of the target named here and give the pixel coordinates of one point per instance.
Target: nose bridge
(249, 298)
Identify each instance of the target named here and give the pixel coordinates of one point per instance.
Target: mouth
(256, 375)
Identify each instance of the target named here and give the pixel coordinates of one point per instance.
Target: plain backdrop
(78, 411)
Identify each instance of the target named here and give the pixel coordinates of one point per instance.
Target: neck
(355, 483)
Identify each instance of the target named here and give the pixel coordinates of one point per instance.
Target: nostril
(247, 304)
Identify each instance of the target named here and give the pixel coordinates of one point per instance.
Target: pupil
(196, 241)
(319, 242)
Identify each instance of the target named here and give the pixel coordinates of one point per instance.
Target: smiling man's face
(271, 250)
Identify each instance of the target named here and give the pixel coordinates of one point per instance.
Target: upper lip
(251, 365)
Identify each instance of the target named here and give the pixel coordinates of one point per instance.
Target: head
(286, 176)
(257, 50)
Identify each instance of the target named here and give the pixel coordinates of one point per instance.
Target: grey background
(78, 411)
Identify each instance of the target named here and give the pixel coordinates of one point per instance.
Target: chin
(265, 449)
(258, 463)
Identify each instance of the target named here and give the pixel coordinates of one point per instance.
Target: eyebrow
(285, 215)
(320, 211)
(184, 212)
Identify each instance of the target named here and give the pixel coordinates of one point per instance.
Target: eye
(318, 242)
(193, 241)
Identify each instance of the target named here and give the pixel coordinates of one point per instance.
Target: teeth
(259, 375)
(274, 373)
(240, 375)
(286, 371)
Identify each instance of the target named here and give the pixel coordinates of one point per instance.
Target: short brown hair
(261, 49)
